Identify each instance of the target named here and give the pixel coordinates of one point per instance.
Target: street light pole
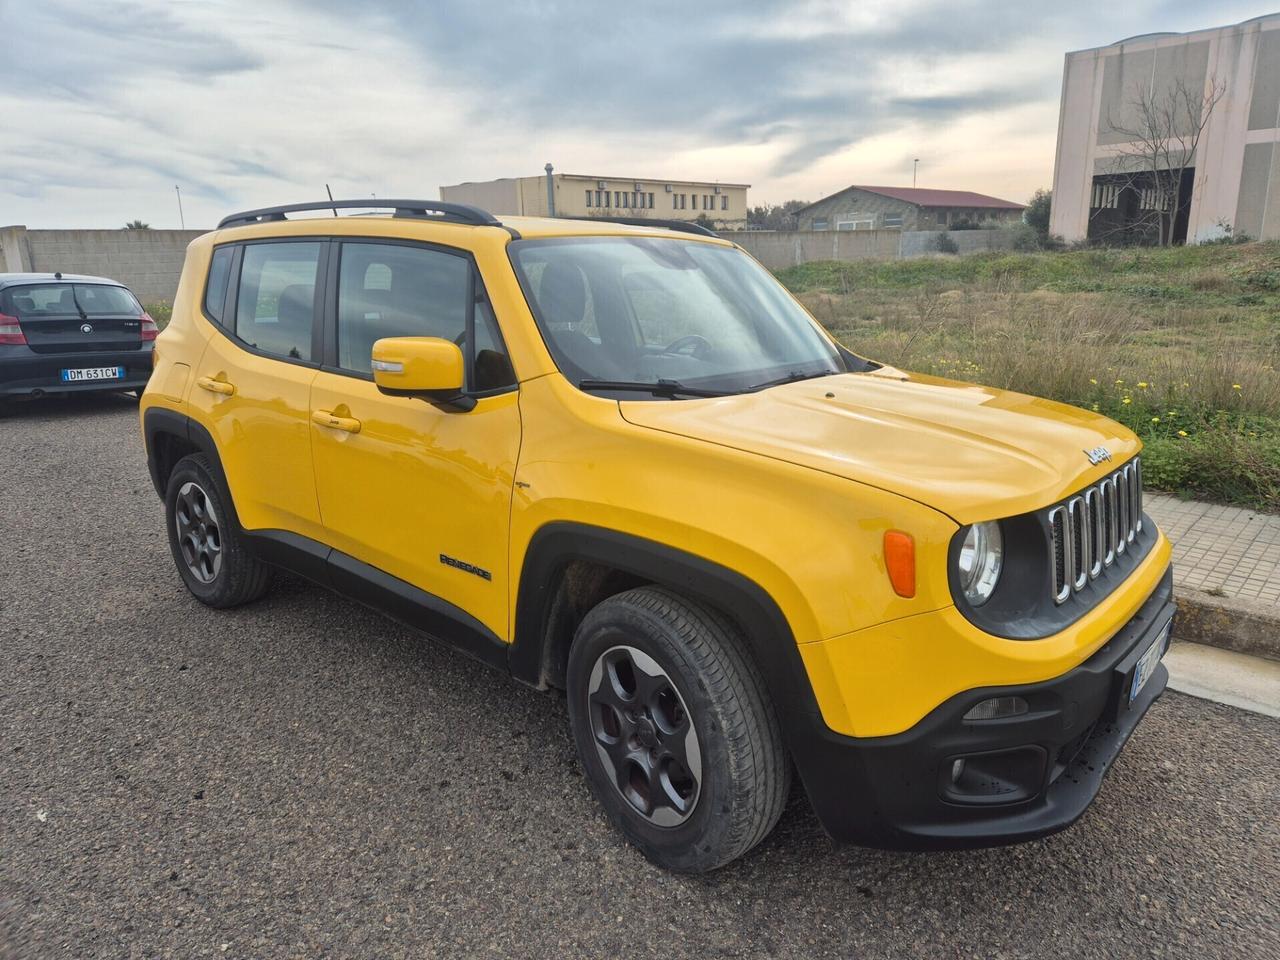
(915, 165)
(181, 219)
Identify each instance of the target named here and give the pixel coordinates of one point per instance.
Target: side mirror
(426, 367)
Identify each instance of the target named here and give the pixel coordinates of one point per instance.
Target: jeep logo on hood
(1097, 455)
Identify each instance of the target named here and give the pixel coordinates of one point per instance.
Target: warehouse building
(1103, 189)
(905, 208)
(582, 196)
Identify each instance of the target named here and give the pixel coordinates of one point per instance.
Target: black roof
(13, 279)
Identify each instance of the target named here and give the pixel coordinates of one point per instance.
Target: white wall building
(1236, 177)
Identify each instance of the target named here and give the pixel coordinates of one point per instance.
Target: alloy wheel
(644, 735)
(199, 533)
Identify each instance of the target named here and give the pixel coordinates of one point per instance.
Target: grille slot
(1076, 520)
(1060, 545)
(1093, 529)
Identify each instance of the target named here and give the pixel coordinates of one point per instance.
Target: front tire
(675, 729)
(204, 537)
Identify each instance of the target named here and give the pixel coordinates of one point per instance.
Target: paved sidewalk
(1217, 548)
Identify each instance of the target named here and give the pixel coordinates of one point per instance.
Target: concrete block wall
(780, 249)
(777, 249)
(148, 262)
(917, 243)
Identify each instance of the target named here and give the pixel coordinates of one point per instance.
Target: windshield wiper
(660, 388)
(76, 300)
(792, 377)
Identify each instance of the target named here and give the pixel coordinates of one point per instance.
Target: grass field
(1182, 344)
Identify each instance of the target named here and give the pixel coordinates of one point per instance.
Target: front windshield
(648, 310)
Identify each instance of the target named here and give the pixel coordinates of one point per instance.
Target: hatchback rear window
(56, 299)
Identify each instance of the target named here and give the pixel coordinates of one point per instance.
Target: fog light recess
(997, 708)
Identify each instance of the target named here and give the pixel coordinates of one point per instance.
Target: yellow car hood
(973, 452)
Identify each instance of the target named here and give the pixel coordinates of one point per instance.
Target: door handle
(327, 418)
(216, 386)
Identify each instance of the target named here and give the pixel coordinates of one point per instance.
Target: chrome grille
(1091, 530)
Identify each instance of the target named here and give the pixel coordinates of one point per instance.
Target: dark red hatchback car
(61, 333)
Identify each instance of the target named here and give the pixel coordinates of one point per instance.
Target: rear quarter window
(215, 291)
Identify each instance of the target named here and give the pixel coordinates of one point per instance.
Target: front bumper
(28, 373)
(1041, 769)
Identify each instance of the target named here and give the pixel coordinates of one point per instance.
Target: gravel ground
(303, 778)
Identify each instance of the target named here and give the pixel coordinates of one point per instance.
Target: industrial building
(1104, 190)
(582, 196)
(905, 208)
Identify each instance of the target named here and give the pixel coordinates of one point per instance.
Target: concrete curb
(1230, 623)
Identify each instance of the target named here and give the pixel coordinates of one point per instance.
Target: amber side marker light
(900, 561)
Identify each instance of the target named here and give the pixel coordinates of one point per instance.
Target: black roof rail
(428, 209)
(680, 226)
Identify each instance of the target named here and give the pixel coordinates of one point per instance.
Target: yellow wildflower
(1155, 419)
(1182, 433)
(1142, 384)
(1235, 386)
(1127, 400)
(1119, 383)
(1093, 381)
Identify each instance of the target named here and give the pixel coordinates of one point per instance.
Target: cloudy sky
(107, 104)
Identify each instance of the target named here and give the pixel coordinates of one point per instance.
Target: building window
(821, 224)
(1106, 196)
(724, 202)
(1154, 198)
(606, 198)
(892, 220)
(588, 198)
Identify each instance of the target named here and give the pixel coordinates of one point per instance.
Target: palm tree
(137, 225)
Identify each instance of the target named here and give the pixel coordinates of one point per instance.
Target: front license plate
(93, 373)
(1147, 664)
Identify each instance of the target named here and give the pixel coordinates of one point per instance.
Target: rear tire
(205, 539)
(675, 729)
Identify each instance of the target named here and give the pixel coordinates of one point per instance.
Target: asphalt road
(303, 778)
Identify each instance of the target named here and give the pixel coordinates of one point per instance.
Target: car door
(253, 383)
(421, 492)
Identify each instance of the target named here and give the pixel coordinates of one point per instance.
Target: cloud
(109, 103)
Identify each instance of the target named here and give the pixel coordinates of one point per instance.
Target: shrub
(161, 312)
(945, 243)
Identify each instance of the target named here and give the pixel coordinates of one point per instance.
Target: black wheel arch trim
(159, 421)
(765, 628)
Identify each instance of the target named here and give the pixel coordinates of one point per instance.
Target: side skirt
(378, 590)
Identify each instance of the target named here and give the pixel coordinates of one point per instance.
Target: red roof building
(906, 208)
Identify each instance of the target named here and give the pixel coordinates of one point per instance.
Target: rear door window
(275, 305)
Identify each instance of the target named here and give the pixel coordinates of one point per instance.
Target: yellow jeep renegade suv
(618, 459)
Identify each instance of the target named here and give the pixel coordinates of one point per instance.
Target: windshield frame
(840, 359)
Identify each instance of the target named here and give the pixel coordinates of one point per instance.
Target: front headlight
(979, 563)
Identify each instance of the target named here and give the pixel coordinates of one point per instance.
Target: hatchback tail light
(149, 329)
(11, 331)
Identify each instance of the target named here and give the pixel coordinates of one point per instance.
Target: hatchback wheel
(675, 729)
(205, 539)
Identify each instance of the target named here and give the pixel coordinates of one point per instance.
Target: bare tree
(1159, 137)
